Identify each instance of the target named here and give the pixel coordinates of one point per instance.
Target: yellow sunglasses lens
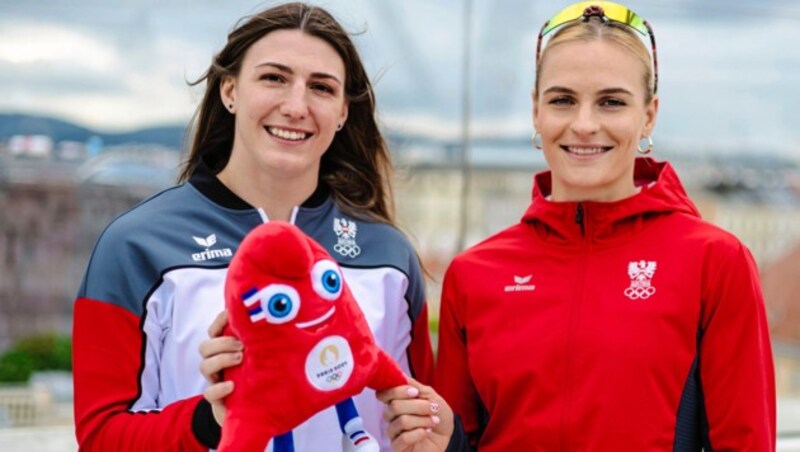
(613, 11)
(568, 14)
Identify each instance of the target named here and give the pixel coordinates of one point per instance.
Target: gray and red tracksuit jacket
(154, 284)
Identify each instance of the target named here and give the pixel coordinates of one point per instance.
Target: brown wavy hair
(356, 167)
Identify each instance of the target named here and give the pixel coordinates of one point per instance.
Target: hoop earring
(536, 140)
(649, 147)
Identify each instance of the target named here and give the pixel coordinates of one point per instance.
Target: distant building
(51, 213)
(131, 165)
(32, 146)
(767, 230)
(71, 150)
(781, 283)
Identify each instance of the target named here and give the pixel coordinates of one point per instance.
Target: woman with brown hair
(286, 131)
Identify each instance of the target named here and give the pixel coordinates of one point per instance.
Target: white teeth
(287, 134)
(585, 151)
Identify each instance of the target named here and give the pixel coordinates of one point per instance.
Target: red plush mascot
(307, 345)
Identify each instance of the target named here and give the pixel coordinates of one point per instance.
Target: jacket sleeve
(116, 352)
(736, 369)
(420, 352)
(107, 357)
(452, 377)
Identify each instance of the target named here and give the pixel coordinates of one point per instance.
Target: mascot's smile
(318, 320)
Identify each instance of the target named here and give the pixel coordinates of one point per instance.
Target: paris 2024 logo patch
(330, 363)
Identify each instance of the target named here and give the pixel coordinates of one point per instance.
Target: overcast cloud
(730, 71)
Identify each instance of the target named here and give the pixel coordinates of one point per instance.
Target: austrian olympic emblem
(641, 274)
(346, 237)
(330, 363)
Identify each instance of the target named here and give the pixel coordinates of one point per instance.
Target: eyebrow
(565, 90)
(287, 69)
(615, 91)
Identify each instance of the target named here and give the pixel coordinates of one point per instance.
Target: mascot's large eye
(327, 279)
(278, 303)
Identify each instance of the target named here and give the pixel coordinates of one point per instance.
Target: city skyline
(726, 81)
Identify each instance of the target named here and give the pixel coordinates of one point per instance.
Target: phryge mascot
(307, 345)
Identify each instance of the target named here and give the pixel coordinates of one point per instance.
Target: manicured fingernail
(435, 419)
(238, 357)
(412, 392)
(429, 430)
(434, 407)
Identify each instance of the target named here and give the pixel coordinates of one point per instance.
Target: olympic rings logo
(334, 377)
(640, 293)
(347, 250)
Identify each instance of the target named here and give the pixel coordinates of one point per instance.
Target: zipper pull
(579, 217)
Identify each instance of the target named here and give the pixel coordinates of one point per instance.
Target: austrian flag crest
(345, 237)
(641, 273)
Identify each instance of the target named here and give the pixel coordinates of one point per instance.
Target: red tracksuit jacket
(631, 325)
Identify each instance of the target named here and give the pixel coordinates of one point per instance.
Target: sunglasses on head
(606, 11)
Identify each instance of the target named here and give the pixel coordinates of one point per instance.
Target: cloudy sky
(730, 71)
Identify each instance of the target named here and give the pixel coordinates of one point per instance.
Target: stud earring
(339, 127)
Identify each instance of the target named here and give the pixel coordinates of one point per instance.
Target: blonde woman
(611, 317)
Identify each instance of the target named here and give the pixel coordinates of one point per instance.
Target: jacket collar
(207, 183)
(661, 193)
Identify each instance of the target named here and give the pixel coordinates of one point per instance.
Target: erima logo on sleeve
(209, 253)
